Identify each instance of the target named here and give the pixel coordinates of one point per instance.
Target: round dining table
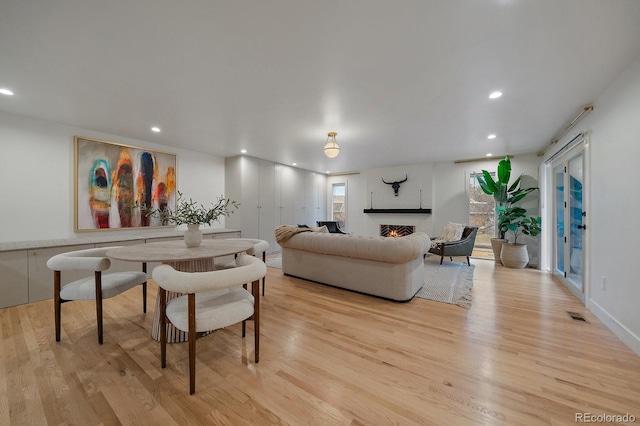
(181, 258)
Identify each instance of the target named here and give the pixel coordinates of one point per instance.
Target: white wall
(366, 190)
(36, 177)
(444, 190)
(613, 130)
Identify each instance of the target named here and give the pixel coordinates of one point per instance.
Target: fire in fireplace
(396, 230)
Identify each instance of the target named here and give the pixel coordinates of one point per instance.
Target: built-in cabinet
(270, 195)
(314, 193)
(290, 195)
(251, 182)
(25, 277)
(288, 192)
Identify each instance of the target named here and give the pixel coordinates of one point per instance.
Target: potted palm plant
(514, 219)
(505, 196)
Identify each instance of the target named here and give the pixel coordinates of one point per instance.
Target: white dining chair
(260, 248)
(96, 287)
(213, 300)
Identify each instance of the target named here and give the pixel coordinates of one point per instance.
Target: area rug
(274, 261)
(450, 282)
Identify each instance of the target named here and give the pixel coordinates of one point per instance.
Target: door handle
(583, 227)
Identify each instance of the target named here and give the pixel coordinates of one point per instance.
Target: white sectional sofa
(392, 268)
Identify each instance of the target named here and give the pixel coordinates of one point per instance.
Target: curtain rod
(471, 160)
(557, 138)
(342, 174)
(564, 148)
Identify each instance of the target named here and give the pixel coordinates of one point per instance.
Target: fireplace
(396, 230)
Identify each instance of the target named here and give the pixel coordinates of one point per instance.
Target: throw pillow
(323, 229)
(452, 232)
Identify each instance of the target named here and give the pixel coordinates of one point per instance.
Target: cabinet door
(14, 278)
(224, 235)
(321, 208)
(250, 208)
(41, 277)
(266, 217)
(297, 191)
(159, 239)
(233, 190)
(286, 186)
(277, 194)
(311, 195)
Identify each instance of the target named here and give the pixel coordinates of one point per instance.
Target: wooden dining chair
(260, 248)
(213, 300)
(96, 287)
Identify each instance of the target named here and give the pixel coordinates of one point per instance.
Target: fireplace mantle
(423, 211)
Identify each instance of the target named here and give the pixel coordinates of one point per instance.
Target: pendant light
(331, 148)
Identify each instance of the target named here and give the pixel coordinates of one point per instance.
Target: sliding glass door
(569, 214)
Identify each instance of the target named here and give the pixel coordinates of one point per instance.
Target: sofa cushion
(385, 249)
(322, 229)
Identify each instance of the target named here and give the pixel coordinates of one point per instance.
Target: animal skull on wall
(396, 185)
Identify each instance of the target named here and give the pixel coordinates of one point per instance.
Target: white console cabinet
(15, 278)
(25, 278)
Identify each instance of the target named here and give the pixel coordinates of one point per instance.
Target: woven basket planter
(496, 245)
(514, 255)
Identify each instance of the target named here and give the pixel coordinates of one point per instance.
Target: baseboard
(623, 333)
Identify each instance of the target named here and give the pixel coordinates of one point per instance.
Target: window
(482, 213)
(339, 203)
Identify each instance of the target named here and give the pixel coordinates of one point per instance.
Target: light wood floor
(328, 357)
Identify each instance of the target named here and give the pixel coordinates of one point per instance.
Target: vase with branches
(194, 214)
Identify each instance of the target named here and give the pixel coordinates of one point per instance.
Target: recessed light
(243, 151)
(294, 164)
(489, 155)
(155, 129)
(492, 136)
(327, 172)
(495, 95)
(5, 91)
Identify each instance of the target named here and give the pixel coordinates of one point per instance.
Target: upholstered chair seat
(112, 285)
(214, 309)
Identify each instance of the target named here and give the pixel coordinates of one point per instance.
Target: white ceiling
(401, 81)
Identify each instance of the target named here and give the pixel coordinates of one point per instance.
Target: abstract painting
(116, 184)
